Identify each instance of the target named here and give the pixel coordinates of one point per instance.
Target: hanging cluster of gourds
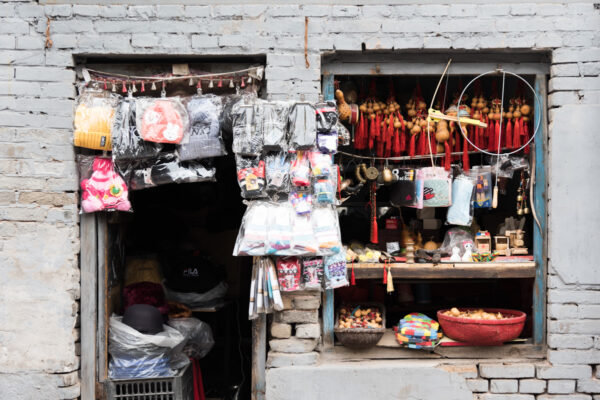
(381, 126)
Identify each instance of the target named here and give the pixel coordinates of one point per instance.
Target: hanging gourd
(442, 136)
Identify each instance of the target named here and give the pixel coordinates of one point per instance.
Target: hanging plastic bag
(300, 169)
(336, 274)
(327, 142)
(303, 236)
(404, 192)
(251, 176)
(273, 125)
(327, 115)
(461, 210)
(288, 273)
(344, 137)
(205, 129)
(320, 164)
(279, 236)
(325, 188)
(102, 187)
(456, 237)
(483, 186)
(198, 335)
(93, 120)
(437, 187)
(301, 201)
(247, 139)
(302, 125)
(252, 237)
(312, 273)
(278, 172)
(127, 143)
(167, 169)
(162, 120)
(138, 355)
(327, 230)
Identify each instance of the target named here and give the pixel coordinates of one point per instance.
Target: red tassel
(384, 274)
(396, 147)
(374, 235)
(497, 137)
(448, 156)
(411, 152)
(352, 278)
(509, 134)
(143, 89)
(422, 143)
(517, 133)
(124, 90)
(371, 132)
(377, 126)
(491, 134)
(465, 156)
(402, 140)
(526, 137)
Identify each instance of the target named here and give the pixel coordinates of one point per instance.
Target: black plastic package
(327, 116)
(302, 126)
(167, 169)
(127, 144)
(205, 129)
(251, 176)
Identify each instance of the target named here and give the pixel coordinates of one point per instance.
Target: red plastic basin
(483, 332)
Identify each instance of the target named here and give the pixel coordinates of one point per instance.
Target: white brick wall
(37, 169)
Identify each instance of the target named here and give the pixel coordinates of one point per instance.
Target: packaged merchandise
(437, 187)
(279, 236)
(278, 172)
(127, 143)
(102, 188)
(198, 335)
(312, 273)
(461, 210)
(162, 120)
(327, 116)
(167, 169)
(325, 188)
(288, 272)
(303, 236)
(301, 201)
(251, 176)
(336, 274)
(247, 139)
(302, 126)
(327, 230)
(457, 237)
(252, 237)
(93, 119)
(273, 124)
(205, 128)
(320, 164)
(483, 186)
(327, 142)
(300, 169)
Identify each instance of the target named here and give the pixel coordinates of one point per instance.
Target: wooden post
(540, 244)
(102, 296)
(259, 355)
(328, 320)
(88, 316)
(328, 89)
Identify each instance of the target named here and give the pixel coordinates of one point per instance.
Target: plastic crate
(179, 387)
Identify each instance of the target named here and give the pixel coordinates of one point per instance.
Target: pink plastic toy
(105, 189)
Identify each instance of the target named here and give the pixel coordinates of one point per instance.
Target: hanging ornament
(352, 277)
(199, 87)
(210, 84)
(249, 79)
(105, 85)
(390, 279)
(191, 83)
(385, 274)
(163, 91)
(231, 85)
(153, 86)
(124, 90)
(142, 89)
(242, 84)
(133, 88)
(114, 86)
(220, 84)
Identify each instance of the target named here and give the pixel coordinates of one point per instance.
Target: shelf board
(447, 270)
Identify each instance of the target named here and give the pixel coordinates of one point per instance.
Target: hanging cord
(495, 196)
(306, 42)
(430, 107)
(531, 184)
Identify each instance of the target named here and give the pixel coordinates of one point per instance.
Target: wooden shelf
(447, 270)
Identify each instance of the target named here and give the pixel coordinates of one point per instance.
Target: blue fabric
(130, 367)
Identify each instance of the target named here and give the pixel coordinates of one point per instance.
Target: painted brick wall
(39, 277)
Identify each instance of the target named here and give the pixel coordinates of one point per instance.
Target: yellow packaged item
(93, 119)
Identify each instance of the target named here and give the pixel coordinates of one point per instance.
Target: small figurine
(468, 256)
(455, 257)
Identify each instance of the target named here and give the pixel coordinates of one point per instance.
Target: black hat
(144, 318)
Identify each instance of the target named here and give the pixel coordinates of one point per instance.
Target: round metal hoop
(537, 117)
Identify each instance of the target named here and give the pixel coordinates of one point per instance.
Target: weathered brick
(532, 386)
(565, 341)
(466, 371)
(523, 9)
(7, 197)
(30, 10)
(298, 316)
(574, 326)
(7, 42)
(505, 396)
(60, 10)
(570, 54)
(504, 386)
(47, 199)
(434, 10)
(7, 72)
(292, 345)
(277, 360)
(589, 311)
(308, 331)
(197, 11)
(113, 11)
(14, 26)
(306, 302)
(574, 356)
(562, 311)
(20, 88)
(281, 331)
(572, 396)
(45, 74)
(169, 11)
(7, 10)
(143, 12)
(144, 40)
(573, 296)
(561, 386)
(72, 26)
(478, 385)
(86, 10)
(508, 370)
(344, 11)
(588, 385)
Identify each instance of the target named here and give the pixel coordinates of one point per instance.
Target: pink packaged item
(102, 188)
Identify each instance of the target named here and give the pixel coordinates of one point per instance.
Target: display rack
(447, 270)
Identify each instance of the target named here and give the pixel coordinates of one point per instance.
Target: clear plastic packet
(93, 119)
(301, 200)
(102, 187)
(167, 169)
(344, 137)
(251, 176)
(336, 274)
(461, 210)
(198, 334)
(327, 142)
(327, 115)
(273, 124)
(127, 143)
(300, 169)
(279, 235)
(278, 172)
(483, 186)
(252, 236)
(437, 187)
(205, 128)
(303, 236)
(325, 189)
(247, 138)
(327, 230)
(312, 273)
(320, 164)
(302, 126)
(456, 237)
(289, 272)
(162, 120)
